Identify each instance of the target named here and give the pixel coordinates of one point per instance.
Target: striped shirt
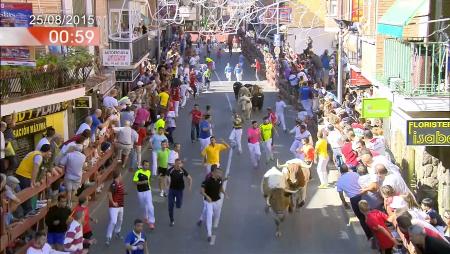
(117, 190)
(73, 241)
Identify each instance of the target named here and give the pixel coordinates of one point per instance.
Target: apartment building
(400, 47)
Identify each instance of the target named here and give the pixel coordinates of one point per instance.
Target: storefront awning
(357, 80)
(398, 16)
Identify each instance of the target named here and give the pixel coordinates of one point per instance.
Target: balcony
(416, 68)
(23, 90)
(138, 47)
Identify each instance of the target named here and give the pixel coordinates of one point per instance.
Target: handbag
(9, 150)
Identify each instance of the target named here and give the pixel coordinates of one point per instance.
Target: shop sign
(428, 132)
(376, 108)
(41, 111)
(116, 57)
(83, 102)
(126, 75)
(30, 127)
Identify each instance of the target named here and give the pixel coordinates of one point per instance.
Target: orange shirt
(308, 151)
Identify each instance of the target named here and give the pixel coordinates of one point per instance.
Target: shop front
(31, 125)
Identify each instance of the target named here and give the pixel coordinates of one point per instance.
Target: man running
(156, 141)
(205, 132)
(116, 195)
(176, 186)
(254, 135)
(207, 79)
(135, 242)
(238, 72)
(300, 133)
(195, 127)
(142, 180)
(174, 154)
(163, 159)
(228, 71)
(211, 153)
(211, 189)
(267, 130)
(280, 105)
(236, 133)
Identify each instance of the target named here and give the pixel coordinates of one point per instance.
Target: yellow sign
(30, 127)
(428, 132)
(83, 102)
(41, 111)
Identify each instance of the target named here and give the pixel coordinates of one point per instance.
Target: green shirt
(160, 123)
(163, 158)
(140, 176)
(266, 131)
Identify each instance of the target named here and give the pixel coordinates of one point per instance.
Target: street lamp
(342, 25)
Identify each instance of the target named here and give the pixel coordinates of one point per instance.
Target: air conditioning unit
(397, 84)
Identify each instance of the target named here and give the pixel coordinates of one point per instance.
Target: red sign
(356, 79)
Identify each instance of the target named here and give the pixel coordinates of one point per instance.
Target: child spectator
(435, 218)
(376, 221)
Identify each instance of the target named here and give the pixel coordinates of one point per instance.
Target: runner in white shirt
(300, 133)
(280, 105)
(334, 138)
(174, 154)
(184, 88)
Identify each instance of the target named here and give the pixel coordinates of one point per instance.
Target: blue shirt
(135, 240)
(204, 134)
(325, 61)
(305, 93)
(156, 141)
(237, 70)
(348, 183)
(95, 123)
(228, 69)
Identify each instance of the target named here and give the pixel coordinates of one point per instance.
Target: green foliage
(75, 57)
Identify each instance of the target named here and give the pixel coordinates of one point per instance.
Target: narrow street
(320, 226)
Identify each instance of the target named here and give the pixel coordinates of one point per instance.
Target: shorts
(72, 185)
(123, 149)
(162, 171)
(55, 238)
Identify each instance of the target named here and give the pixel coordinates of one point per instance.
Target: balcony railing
(138, 47)
(17, 85)
(416, 68)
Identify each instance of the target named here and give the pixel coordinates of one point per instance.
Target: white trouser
(146, 202)
(238, 77)
(155, 162)
(211, 211)
(307, 105)
(280, 117)
(235, 138)
(294, 147)
(115, 221)
(322, 170)
(139, 155)
(204, 142)
(176, 105)
(255, 153)
(183, 101)
(228, 75)
(268, 149)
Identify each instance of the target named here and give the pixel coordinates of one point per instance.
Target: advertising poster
(16, 15)
(428, 133)
(116, 57)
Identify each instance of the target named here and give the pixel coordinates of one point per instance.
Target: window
(332, 7)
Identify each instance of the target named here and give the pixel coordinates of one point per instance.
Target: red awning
(357, 79)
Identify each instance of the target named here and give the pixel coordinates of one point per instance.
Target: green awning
(398, 16)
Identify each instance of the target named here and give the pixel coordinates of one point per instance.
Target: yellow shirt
(266, 131)
(26, 166)
(160, 123)
(212, 153)
(163, 99)
(322, 148)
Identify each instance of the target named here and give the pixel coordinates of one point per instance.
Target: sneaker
(172, 223)
(199, 223)
(323, 186)
(164, 194)
(209, 239)
(108, 241)
(151, 226)
(161, 194)
(119, 236)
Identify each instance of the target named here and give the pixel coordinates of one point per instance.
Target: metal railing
(416, 68)
(138, 47)
(16, 85)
